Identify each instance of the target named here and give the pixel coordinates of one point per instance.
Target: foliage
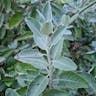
(47, 48)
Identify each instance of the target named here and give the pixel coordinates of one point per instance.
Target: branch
(86, 7)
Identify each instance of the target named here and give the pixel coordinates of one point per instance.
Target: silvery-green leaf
(34, 1)
(30, 53)
(32, 57)
(94, 44)
(25, 79)
(37, 86)
(90, 80)
(41, 15)
(47, 11)
(91, 52)
(68, 32)
(47, 28)
(13, 45)
(41, 41)
(11, 92)
(93, 20)
(2, 59)
(69, 80)
(2, 85)
(65, 20)
(64, 63)
(33, 24)
(59, 34)
(66, 51)
(73, 18)
(69, 37)
(54, 92)
(37, 62)
(56, 50)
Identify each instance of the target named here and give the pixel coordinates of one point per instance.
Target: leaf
(59, 34)
(15, 20)
(94, 44)
(78, 32)
(61, 1)
(33, 24)
(68, 32)
(32, 57)
(41, 15)
(7, 5)
(2, 59)
(2, 86)
(69, 37)
(34, 1)
(23, 67)
(54, 92)
(1, 20)
(90, 80)
(65, 20)
(22, 91)
(37, 86)
(66, 48)
(8, 81)
(22, 1)
(37, 62)
(25, 78)
(56, 50)
(73, 18)
(47, 28)
(41, 41)
(64, 63)
(13, 45)
(47, 11)
(2, 32)
(30, 52)
(25, 36)
(11, 92)
(70, 80)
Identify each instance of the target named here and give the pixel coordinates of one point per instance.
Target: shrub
(47, 48)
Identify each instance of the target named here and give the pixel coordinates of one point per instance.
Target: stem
(50, 76)
(81, 11)
(86, 7)
(50, 73)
